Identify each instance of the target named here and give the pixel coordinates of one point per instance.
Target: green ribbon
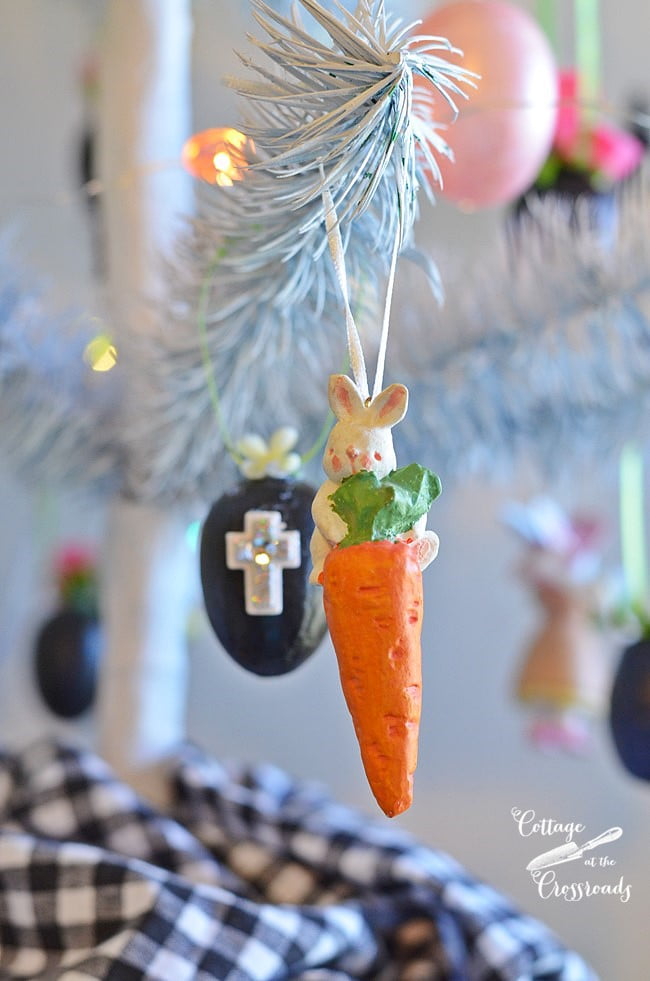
(587, 54)
(547, 17)
(632, 518)
(587, 49)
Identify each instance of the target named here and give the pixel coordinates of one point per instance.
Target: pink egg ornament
(505, 128)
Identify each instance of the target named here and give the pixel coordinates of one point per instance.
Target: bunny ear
(344, 398)
(389, 407)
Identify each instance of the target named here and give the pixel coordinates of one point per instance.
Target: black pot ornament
(68, 648)
(630, 710)
(68, 645)
(255, 565)
(574, 188)
(584, 206)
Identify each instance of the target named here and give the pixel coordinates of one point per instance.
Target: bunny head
(361, 438)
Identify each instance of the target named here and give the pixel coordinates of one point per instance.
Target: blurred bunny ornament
(564, 677)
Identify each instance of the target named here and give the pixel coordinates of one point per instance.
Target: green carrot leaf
(414, 490)
(357, 502)
(381, 509)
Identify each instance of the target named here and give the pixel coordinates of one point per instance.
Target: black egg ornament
(255, 565)
(629, 717)
(68, 649)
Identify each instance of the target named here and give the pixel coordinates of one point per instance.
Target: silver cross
(263, 550)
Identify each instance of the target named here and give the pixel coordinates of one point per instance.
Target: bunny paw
(427, 548)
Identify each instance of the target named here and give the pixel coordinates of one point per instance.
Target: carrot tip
(397, 807)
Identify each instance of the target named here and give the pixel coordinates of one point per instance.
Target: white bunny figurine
(360, 440)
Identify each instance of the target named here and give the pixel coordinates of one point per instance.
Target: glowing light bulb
(221, 161)
(101, 353)
(217, 155)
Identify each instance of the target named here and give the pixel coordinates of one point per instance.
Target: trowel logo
(571, 851)
(554, 870)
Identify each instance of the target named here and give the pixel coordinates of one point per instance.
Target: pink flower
(74, 560)
(567, 127)
(613, 152)
(602, 148)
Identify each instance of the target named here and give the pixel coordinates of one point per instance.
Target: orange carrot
(373, 603)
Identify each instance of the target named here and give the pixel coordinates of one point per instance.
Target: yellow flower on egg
(273, 459)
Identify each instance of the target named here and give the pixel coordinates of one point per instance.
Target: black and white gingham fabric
(253, 877)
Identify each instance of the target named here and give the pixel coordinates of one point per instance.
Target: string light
(217, 156)
(101, 353)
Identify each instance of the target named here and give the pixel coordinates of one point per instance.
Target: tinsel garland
(57, 414)
(550, 357)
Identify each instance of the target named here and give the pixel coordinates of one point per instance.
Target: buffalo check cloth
(251, 876)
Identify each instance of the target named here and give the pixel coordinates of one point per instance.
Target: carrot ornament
(349, 139)
(369, 548)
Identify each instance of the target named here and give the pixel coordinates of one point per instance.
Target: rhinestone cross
(263, 550)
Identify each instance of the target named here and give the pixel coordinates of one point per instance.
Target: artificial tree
(160, 445)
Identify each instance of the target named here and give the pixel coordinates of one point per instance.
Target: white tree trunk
(147, 587)
(145, 115)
